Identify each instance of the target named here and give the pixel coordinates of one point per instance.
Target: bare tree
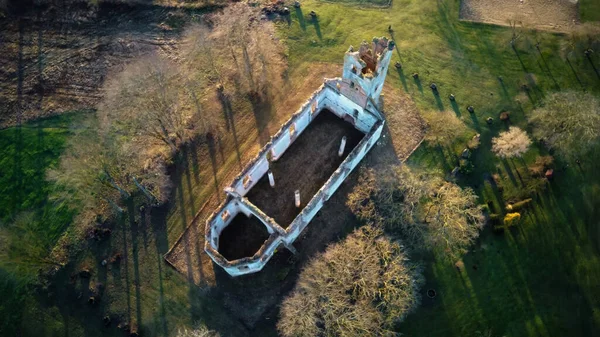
(361, 286)
(511, 143)
(199, 331)
(428, 212)
(92, 168)
(568, 122)
(144, 101)
(254, 50)
(443, 128)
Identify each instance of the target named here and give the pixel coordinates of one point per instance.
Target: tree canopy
(443, 128)
(361, 286)
(511, 143)
(569, 123)
(426, 211)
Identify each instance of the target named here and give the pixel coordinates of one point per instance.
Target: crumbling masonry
(353, 99)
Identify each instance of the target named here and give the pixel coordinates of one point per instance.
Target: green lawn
(26, 153)
(543, 278)
(540, 279)
(590, 10)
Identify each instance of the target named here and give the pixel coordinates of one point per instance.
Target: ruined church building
(345, 112)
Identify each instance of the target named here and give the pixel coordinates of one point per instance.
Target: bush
(362, 286)
(541, 164)
(199, 331)
(426, 211)
(512, 219)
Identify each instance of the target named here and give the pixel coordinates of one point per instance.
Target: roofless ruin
(279, 192)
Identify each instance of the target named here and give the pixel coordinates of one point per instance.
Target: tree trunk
(112, 182)
(147, 193)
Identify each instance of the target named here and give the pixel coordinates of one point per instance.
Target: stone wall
(354, 98)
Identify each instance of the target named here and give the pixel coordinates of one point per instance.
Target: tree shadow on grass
(574, 73)
(402, 78)
(228, 115)
(300, 17)
(438, 100)
(509, 172)
(418, 83)
(455, 108)
(315, 22)
(263, 110)
(158, 219)
(210, 141)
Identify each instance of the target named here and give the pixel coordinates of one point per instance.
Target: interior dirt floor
(252, 299)
(306, 165)
(243, 237)
(559, 15)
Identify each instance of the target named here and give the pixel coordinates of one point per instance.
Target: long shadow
(158, 219)
(547, 67)
(589, 58)
(438, 100)
(402, 78)
(134, 230)
(17, 168)
(475, 122)
(519, 57)
(300, 17)
(315, 22)
(193, 149)
(184, 223)
(575, 73)
(194, 228)
(212, 152)
(455, 108)
(418, 83)
(228, 112)
(262, 109)
(443, 159)
(40, 64)
(122, 221)
(509, 172)
(505, 94)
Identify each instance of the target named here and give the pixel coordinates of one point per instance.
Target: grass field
(25, 155)
(541, 279)
(590, 10)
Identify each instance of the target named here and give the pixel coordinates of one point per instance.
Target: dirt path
(555, 15)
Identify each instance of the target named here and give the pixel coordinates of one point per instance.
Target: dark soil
(306, 166)
(55, 57)
(243, 237)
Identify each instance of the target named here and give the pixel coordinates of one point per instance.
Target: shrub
(512, 219)
(199, 331)
(426, 211)
(568, 122)
(362, 286)
(541, 164)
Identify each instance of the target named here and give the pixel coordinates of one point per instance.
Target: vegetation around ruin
(533, 271)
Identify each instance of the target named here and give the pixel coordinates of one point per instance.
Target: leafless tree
(443, 128)
(361, 286)
(253, 49)
(428, 212)
(511, 143)
(568, 122)
(199, 331)
(144, 101)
